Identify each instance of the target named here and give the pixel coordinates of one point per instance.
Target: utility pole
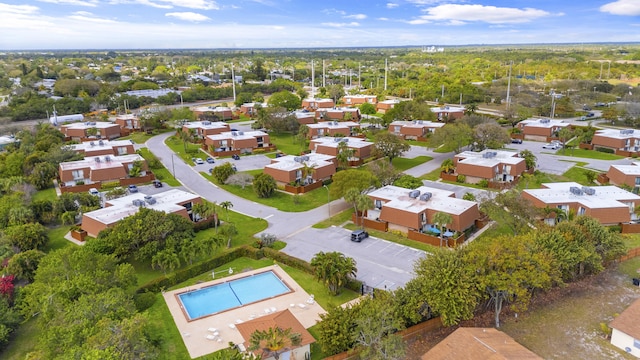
(386, 69)
(509, 86)
(233, 83)
(323, 74)
(313, 74)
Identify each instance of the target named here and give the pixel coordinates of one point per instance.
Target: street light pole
(328, 199)
(173, 166)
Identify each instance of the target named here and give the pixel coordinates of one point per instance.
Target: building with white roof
(448, 113)
(289, 169)
(541, 129)
(610, 205)
(103, 147)
(359, 99)
(332, 128)
(91, 129)
(386, 105)
(173, 201)
(617, 140)
(313, 104)
(211, 112)
(204, 128)
(98, 169)
(362, 148)
(414, 130)
(625, 174)
(490, 165)
(405, 209)
(245, 141)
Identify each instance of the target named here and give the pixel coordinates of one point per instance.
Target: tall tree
(452, 136)
(376, 329)
(333, 269)
(285, 99)
(508, 269)
(448, 285)
(362, 180)
(345, 153)
(489, 136)
(389, 145)
(264, 185)
(229, 230)
(226, 205)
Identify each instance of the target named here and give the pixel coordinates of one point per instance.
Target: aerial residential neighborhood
(312, 192)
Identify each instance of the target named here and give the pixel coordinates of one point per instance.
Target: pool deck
(194, 333)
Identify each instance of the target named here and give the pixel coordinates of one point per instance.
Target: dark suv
(359, 235)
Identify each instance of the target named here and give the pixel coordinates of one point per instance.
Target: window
(298, 174)
(637, 181)
(581, 210)
(78, 174)
(378, 204)
(122, 150)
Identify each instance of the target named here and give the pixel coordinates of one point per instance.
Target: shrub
(264, 185)
(605, 150)
(144, 300)
(483, 183)
(461, 179)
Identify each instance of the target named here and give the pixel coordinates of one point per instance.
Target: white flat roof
(391, 102)
(99, 145)
(633, 169)
(333, 124)
(441, 200)
(239, 135)
(544, 123)
(418, 124)
(447, 108)
(619, 134)
(501, 157)
(319, 100)
(123, 207)
(351, 141)
(604, 197)
(207, 125)
(211, 108)
(90, 125)
(101, 163)
(289, 162)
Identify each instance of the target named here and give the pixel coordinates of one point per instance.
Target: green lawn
(631, 240)
(403, 164)
(192, 150)
(56, 238)
(46, 194)
(162, 173)
(280, 200)
(537, 179)
(424, 144)
(588, 154)
(23, 341)
(578, 174)
(433, 176)
(288, 144)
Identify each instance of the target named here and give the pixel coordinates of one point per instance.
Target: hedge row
(167, 281)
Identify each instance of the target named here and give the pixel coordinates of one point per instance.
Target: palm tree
(442, 219)
(363, 203)
(207, 209)
(334, 269)
(307, 170)
(344, 154)
(447, 166)
(229, 230)
(226, 205)
(274, 341)
(165, 260)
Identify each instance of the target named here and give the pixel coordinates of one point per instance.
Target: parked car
(199, 161)
(552, 146)
(586, 107)
(157, 183)
(94, 191)
(210, 160)
(133, 189)
(591, 114)
(359, 235)
(516, 141)
(235, 157)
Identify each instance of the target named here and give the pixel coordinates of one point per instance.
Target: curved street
(282, 224)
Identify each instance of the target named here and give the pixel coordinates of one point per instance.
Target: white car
(199, 161)
(552, 146)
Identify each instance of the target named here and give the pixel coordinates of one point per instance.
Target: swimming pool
(231, 294)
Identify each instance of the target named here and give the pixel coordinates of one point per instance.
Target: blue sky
(178, 24)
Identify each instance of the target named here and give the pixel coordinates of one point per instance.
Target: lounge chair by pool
(211, 337)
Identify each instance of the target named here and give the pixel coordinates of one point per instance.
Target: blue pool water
(232, 294)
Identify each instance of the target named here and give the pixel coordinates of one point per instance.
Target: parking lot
(380, 263)
(249, 162)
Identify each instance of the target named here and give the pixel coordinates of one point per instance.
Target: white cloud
(7, 9)
(622, 7)
(356, 16)
(392, 5)
(383, 19)
(169, 4)
(333, 24)
(480, 13)
(188, 16)
(88, 17)
(91, 3)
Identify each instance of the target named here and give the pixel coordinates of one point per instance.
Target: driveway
(380, 263)
(459, 190)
